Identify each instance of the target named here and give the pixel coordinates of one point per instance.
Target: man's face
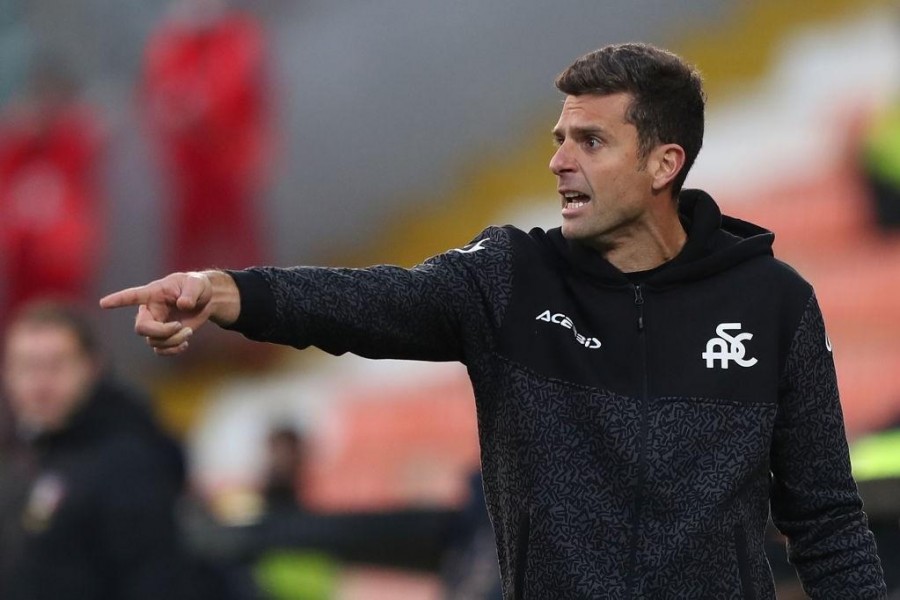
(47, 374)
(602, 181)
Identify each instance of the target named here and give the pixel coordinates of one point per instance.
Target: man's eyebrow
(581, 132)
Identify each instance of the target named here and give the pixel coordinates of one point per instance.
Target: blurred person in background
(297, 553)
(291, 573)
(876, 467)
(281, 485)
(650, 381)
(469, 569)
(268, 545)
(96, 520)
(203, 96)
(51, 215)
(880, 165)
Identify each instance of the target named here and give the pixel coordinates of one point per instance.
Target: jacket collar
(714, 243)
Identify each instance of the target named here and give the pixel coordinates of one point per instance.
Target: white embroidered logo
(479, 245)
(728, 347)
(591, 343)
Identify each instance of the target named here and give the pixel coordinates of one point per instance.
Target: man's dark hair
(59, 314)
(667, 95)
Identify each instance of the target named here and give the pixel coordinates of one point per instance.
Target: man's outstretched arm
(172, 308)
(439, 310)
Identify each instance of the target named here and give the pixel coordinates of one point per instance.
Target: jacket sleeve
(815, 503)
(438, 310)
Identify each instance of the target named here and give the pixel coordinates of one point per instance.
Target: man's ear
(666, 162)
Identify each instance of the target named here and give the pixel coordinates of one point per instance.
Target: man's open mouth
(575, 199)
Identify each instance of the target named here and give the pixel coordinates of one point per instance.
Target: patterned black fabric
(632, 436)
(814, 499)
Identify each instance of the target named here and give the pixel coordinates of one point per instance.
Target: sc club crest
(728, 347)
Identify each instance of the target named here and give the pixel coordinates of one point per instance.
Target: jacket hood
(113, 409)
(714, 243)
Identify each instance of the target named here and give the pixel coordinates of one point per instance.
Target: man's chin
(571, 233)
(43, 424)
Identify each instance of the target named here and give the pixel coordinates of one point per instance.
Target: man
(97, 521)
(649, 379)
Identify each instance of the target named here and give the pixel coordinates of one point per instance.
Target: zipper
(639, 302)
(642, 450)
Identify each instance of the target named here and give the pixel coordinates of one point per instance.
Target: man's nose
(562, 161)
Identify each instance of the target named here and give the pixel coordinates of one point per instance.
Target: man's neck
(648, 244)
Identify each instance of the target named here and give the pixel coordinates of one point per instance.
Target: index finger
(128, 297)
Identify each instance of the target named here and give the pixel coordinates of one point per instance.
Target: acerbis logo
(591, 343)
(728, 347)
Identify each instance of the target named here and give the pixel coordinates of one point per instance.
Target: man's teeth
(575, 199)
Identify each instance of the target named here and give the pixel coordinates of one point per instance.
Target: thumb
(194, 292)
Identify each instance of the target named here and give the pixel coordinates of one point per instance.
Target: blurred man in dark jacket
(469, 566)
(96, 520)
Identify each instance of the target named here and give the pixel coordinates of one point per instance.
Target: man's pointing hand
(172, 308)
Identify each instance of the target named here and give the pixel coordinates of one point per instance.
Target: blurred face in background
(47, 374)
(285, 456)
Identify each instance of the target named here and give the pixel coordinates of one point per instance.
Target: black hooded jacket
(99, 522)
(633, 434)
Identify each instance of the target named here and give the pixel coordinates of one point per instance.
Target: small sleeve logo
(471, 248)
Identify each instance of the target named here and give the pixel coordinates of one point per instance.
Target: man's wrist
(225, 299)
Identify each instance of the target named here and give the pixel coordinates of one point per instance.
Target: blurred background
(144, 136)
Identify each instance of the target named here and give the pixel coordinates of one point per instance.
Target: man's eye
(593, 143)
